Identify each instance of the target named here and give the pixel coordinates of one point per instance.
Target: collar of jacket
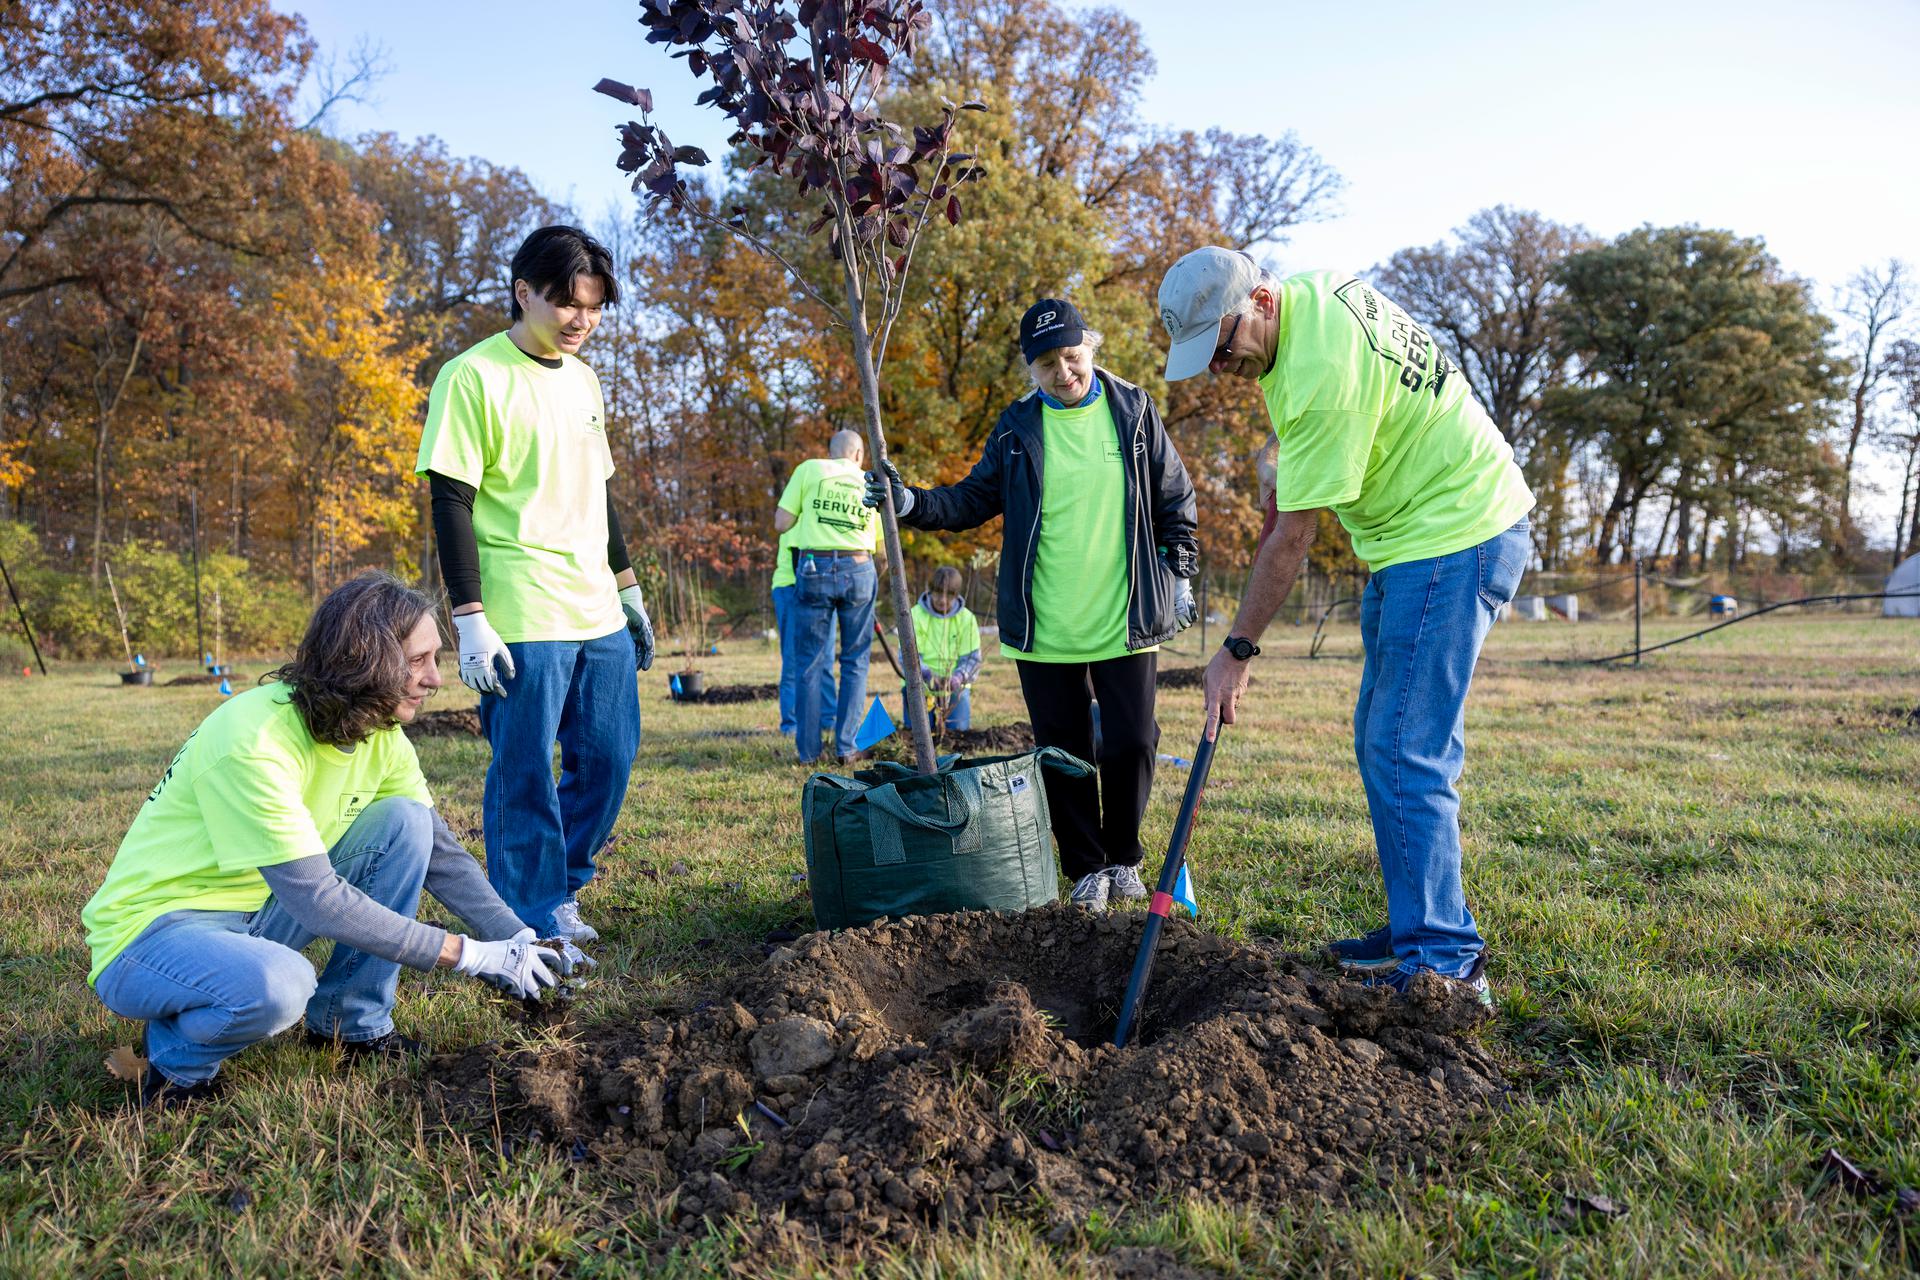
(1127, 403)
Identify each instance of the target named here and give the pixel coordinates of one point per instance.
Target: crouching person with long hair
(297, 811)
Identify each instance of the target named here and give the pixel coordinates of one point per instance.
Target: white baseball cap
(1198, 292)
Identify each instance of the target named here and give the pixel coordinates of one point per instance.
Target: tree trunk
(1610, 523)
(890, 524)
(1683, 539)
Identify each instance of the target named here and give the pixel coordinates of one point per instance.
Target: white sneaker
(1090, 891)
(566, 919)
(1126, 883)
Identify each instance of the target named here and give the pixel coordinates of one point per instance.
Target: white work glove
(480, 646)
(639, 625)
(876, 491)
(513, 964)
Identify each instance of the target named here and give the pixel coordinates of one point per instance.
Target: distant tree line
(215, 315)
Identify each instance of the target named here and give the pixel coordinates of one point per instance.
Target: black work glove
(876, 494)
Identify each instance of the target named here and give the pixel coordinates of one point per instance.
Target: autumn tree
(1701, 372)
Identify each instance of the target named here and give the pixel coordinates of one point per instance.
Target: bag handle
(888, 801)
(1062, 761)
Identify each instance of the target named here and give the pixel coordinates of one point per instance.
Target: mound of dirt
(989, 740)
(733, 693)
(204, 678)
(938, 1070)
(444, 724)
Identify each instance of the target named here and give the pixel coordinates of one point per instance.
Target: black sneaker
(1371, 952)
(392, 1045)
(163, 1094)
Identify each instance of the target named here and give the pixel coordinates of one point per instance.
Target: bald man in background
(834, 540)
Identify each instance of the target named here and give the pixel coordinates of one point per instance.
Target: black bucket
(687, 686)
(143, 676)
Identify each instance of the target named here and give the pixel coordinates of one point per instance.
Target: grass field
(1700, 880)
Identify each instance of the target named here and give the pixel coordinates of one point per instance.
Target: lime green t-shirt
(783, 560)
(1080, 567)
(823, 496)
(944, 641)
(532, 441)
(1374, 421)
(250, 788)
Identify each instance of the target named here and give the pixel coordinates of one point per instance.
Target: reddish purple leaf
(973, 106)
(689, 155)
(867, 51)
(953, 211)
(641, 98)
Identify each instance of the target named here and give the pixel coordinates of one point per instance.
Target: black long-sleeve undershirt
(460, 550)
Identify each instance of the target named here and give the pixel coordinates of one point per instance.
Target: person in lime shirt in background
(550, 617)
(1097, 542)
(1372, 420)
(948, 637)
(785, 626)
(297, 811)
(833, 541)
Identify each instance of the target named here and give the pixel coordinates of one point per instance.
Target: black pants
(1060, 696)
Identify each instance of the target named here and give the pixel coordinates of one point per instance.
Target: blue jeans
(541, 837)
(831, 590)
(1423, 622)
(783, 624)
(210, 983)
(959, 710)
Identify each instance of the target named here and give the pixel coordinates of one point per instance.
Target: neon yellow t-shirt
(532, 441)
(944, 641)
(783, 560)
(1374, 421)
(1080, 568)
(250, 788)
(823, 496)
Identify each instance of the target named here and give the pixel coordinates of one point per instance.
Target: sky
(1792, 122)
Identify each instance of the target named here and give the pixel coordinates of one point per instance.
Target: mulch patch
(989, 740)
(203, 678)
(445, 724)
(864, 1086)
(725, 693)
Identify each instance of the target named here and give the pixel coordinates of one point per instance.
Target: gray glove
(1185, 611)
(574, 961)
(513, 964)
(639, 625)
(877, 483)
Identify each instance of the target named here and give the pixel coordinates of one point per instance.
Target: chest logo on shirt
(353, 804)
(594, 423)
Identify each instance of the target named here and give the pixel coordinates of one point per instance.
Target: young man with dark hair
(550, 617)
(297, 811)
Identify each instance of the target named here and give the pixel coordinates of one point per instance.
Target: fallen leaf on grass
(240, 1200)
(125, 1063)
(1908, 1201)
(1849, 1175)
(1584, 1210)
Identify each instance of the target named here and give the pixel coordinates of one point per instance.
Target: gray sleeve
(454, 877)
(326, 906)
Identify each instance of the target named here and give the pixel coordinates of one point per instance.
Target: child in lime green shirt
(948, 636)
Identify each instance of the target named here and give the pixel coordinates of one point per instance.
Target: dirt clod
(938, 1070)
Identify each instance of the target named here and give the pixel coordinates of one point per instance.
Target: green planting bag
(894, 842)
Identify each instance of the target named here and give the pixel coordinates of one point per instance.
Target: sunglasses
(1225, 348)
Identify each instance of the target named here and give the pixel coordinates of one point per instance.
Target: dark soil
(203, 678)
(445, 724)
(939, 1070)
(734, 693)
(990, 740)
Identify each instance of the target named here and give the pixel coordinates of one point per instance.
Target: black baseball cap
(1049, 324)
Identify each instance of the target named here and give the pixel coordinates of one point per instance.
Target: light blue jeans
(832, 590)
(783, 624)
(542, 836)
(1423, 622)
(210, 983)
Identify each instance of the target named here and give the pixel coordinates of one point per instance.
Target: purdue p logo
(1046, 318)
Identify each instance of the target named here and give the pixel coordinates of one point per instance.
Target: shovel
(1162, 901)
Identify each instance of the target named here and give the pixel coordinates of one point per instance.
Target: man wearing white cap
(1372, 420)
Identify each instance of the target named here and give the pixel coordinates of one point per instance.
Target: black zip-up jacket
(1007, 482)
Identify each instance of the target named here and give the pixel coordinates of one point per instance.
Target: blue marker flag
(1183, 893)
(877, 727)
(226, 689)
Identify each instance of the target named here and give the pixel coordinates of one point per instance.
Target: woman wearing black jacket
(1098, 534)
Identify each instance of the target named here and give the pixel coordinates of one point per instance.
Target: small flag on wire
(226, 687)
(1183, 893)
(877, 727)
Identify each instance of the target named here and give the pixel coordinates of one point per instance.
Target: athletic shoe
(1126, 883)
(157, 1091)
(568, 924)
(392, 1045)
(1372, 952)
(1475, 979)
(1090, 891)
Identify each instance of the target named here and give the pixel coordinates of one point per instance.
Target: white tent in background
(1905, 579)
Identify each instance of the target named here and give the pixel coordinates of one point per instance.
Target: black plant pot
(687, 686)
(142, 676)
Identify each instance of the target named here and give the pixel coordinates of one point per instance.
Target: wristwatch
(1240, 647)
